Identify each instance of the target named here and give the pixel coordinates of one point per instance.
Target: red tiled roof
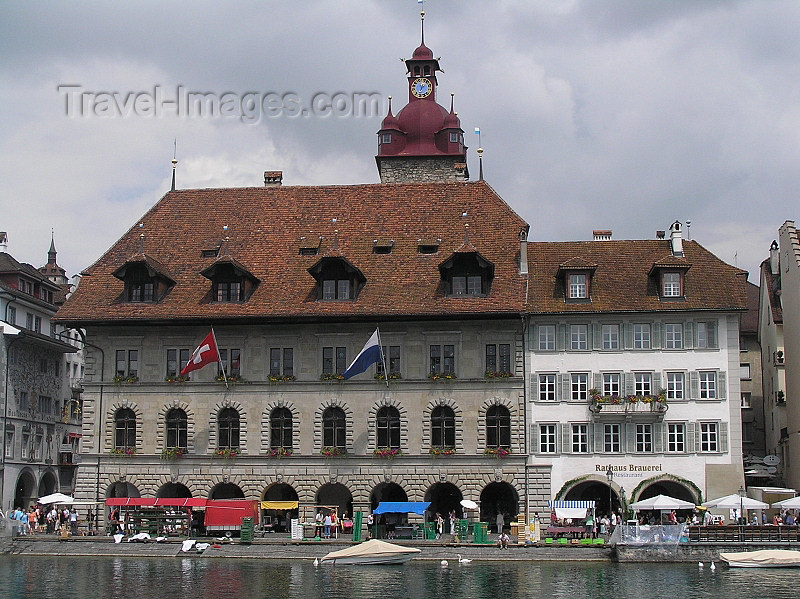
(264, 226)
(621, 281)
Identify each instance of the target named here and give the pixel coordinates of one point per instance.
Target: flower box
(119, 379)
(277, 378)
(386, 452)
(442, 376)
(123, 451)
(279, 452)
(331, 377)
(227, 452)
(437, 451)
(330, 452)
(498, 452)
(491, 376)
(172, 453)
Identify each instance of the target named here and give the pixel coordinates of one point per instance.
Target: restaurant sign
(628, 470)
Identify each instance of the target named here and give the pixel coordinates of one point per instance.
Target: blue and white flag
(366, 357)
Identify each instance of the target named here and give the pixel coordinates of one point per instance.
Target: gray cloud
(594, 114)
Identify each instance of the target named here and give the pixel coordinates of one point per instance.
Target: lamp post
(610, 476)
(741, 504)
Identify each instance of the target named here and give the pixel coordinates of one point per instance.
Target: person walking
(439, 525)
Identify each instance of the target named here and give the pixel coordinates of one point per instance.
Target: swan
(444, 563)
(462, 560)
(316, 562)
(713, 567)
(699, 564)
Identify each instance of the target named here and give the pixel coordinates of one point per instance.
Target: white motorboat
(371, 552)
(766, 558)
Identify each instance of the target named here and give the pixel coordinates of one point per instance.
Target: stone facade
(306, 471)
(408, 169)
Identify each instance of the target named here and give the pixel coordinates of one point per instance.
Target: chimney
(3, 241)
(774, 258)
(661, 234)
(523, 252)
(273, 178)
(601, 235)
(676, 239)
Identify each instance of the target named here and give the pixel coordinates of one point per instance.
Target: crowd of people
(47, 519)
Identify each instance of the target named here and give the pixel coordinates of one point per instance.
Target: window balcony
(633, 407)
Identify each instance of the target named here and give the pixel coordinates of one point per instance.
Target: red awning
(160, 501)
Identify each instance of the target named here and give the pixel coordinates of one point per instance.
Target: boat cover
(401, 507)
(766, 557)
(370, 548)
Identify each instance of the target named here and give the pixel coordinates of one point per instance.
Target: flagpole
(383, 357)
(219, 360)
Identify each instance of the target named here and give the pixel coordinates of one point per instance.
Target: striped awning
(571, 504)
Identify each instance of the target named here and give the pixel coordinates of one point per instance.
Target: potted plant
(442, 376)
(331, 377)
(278, 378)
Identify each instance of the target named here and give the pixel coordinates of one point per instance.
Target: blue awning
(402, 507)
(571, 504)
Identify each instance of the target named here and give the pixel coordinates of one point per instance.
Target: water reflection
(199, 578)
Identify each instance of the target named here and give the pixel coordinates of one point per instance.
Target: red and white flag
(206, 353)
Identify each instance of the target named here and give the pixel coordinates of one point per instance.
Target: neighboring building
(753, 433)
(41, 416)
(773, 363)
(789, 281)
(294, 281)
(634, 362)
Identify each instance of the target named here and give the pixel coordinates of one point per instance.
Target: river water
(230, 578)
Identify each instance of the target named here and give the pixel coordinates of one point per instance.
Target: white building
(634, 358)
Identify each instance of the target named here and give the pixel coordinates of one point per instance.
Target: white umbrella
(735, 502)
(662, 502)
(469, 504)
(55, 498)
(789, 504)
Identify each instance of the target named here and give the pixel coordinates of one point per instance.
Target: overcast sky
(594, 114)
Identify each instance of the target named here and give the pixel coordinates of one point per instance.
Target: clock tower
(424, 142)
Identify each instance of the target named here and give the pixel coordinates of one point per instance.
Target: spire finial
(174, 162)
(422, 21)
(480, 164)
(452, 95)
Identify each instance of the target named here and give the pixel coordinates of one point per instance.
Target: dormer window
(141, 286)
(576, 277)
(337, 279)
(230, 281)
(146, 280)
(577, 286)
(386, 138)
(454, 137)
(467, 274)
(669, 278)
(671, 284)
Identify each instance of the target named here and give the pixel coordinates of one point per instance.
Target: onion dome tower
(425, 141)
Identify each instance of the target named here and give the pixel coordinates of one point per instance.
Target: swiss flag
(206, 353)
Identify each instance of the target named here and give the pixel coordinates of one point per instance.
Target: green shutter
(723, 437)
(694, 385)
(688, 335)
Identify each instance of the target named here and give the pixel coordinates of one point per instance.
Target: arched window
(388, 427)
(498, 427)
(177, 425)
(228, 424)
(443, 428)
(124, 429)
(280, 423)
(333, 428)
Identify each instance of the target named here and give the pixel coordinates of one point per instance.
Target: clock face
(421, 87)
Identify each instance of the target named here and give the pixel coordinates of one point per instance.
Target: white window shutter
(694, 385)
(723, 437)
(722, 385)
